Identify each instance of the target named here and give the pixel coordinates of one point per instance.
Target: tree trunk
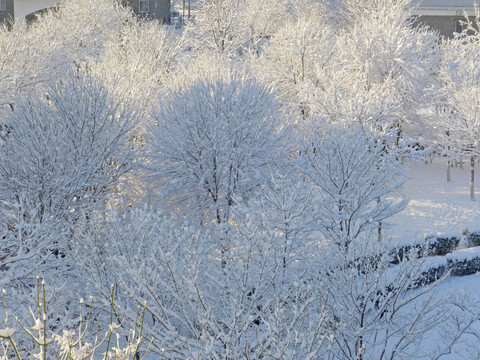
(472, 178)
(448, 171)
(379, 229)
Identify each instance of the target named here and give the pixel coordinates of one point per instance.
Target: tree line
(234, 177)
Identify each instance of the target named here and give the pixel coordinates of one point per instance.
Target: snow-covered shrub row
(433, 274)
(432, 245)
(433, 269)
(435, 263)
(442, 245)
(458, 263)
(464, 267)
(465, 261)
(402, 252)
(473, 238)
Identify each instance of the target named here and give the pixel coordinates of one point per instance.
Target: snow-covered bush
(473, 238)
(464, 262)
(266, 295)
(442, 245)
(204, 302)
(464, 267)
(400, 252)
(83, 341)
(433, 274)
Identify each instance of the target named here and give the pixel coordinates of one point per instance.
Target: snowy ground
(435, 205)
(468, 287)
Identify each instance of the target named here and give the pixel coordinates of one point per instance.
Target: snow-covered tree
(239, 27)
(373, 69)
(213, 141)
(285, 209)
(354, 171)
(218, 27)
(456, 121)
(138, 61)
(379, 303)
(261, 19)
(137, 64)
(379, 45)
(61, 154)
(287, 64)
(31, 55)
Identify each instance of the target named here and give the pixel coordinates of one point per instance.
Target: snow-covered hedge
(433, 269)
(464, 262)
(401, 252)
(459, 262)
(442, 244)
(473, 237)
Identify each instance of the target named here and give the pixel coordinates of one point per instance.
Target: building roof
(22, 8)
(447, 3)
(445, 8)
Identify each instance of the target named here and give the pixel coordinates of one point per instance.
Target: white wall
(24, 7)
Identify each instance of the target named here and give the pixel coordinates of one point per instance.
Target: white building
(445, 16)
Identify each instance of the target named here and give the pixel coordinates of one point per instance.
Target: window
(143, 6)
(3, 5)
(460, 26)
